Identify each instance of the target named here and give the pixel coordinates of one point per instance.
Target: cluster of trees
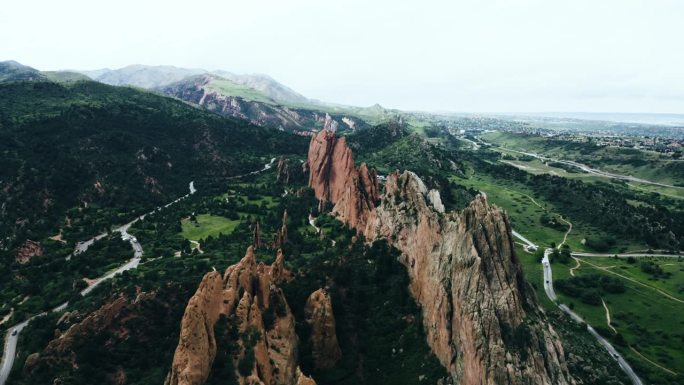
(552, 221)
(49, 280)
(654, 270)
(379, 325)
(602, 205)
(120, 148)
(600, 244)
(563, 255)
(590, 288)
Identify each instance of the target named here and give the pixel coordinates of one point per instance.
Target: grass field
(229, 88)
(649, 321)
(525, 210)
(207, 225)
(646, 165)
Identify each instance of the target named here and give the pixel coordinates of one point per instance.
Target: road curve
(10, 348)
(548, 287)
(530, 244)
(623, 255)
(587, 169)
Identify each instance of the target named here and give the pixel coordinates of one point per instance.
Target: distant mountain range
(256, 98)
(155, 77)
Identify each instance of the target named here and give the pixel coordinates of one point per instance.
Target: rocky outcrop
(323, 339)
(206, 91)
(256, 235)
(480, 316)
(279, 273)
(255, 308)
(197, 345)
(334, 177)
(65, 351)
(29, 250)
(283, 168)
(280, 236)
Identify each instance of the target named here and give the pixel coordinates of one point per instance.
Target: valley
(319, 243)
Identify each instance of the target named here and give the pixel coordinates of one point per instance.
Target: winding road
(548, 287)
(585, 168)
(312, 222)
(10, 348)
(529, 244)
(9, 351)
(623, 255)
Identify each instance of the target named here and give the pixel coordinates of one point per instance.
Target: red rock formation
(280, 236)
(245, 294)
(29, 250)
(323, 340)
(279, 272)
(63, 351)
(335, 178)
(256, 236)
(480, 316)
(283, 168)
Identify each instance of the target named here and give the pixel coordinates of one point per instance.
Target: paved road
(267, 166)
(588, 169)
(548, 278)
(529, 243)
(548, 287)
(623, 255)
(9, 351)
(312, 222)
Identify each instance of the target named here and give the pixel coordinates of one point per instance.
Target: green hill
(83, 149)
(11, 71)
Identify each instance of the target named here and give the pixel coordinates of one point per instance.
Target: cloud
(489, 55)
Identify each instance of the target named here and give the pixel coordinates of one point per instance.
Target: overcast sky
(463, 56)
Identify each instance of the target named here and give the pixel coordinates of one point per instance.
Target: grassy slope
(647, 165)
(229, 88)
(517, 200)
(207, 225)
(649, 322)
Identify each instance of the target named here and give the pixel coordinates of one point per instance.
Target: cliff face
(335, 178)
(110, 328)
(481, 320)
(203, 91)
(319, 315)
(255, 309)
(29, 250)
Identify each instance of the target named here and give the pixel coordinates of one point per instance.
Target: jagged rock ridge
(335, 178)
(480, 316)
(319, 315)
(248, 298)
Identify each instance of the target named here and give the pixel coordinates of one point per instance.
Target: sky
(458, 55)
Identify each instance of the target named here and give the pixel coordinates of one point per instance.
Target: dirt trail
(608, 316)
(197, 246)
(577, 266)
(635, 281)
(653, 363)
(7, 317)
(565, 237)
(533, 201)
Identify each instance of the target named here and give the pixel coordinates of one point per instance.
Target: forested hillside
(68, 150)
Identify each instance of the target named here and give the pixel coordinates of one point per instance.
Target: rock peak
(323, 339)
(335, 178)
(462, 267)
(245, 293)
